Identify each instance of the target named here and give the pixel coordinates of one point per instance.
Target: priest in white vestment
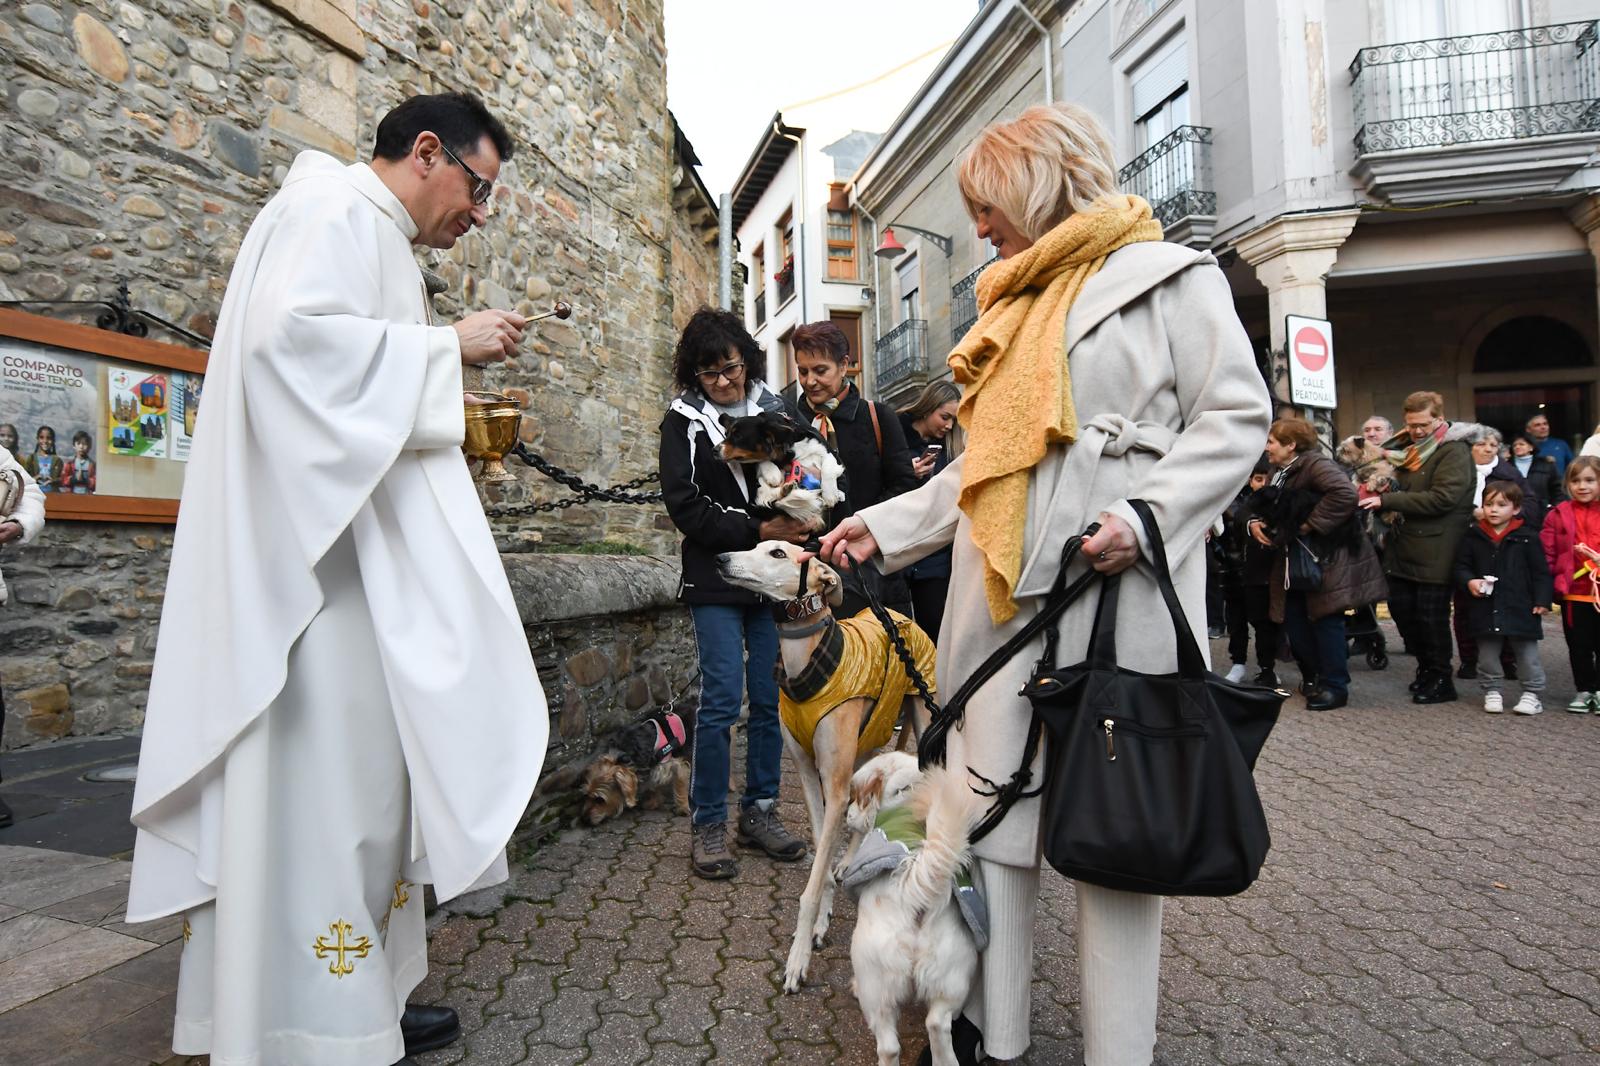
(344, 706)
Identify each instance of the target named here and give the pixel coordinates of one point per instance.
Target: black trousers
(927, 602)
(1580, 623)
(1250, 607)
(1421, 611)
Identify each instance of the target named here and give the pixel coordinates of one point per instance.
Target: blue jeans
(724, 635)
(1320, 643)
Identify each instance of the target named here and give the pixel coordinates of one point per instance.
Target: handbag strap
(931, 745)
(1191, 664)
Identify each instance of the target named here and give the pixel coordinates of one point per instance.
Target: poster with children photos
(136, 409)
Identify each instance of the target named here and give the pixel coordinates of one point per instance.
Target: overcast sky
(732, 63)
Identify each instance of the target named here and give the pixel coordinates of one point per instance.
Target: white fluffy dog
(913, 938)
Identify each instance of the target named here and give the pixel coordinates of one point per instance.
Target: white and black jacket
(709, 499)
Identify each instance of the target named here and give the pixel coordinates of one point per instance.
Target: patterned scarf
(1018, 392)
(1405, 455)
(820, 419)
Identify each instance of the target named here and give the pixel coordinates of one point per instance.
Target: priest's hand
(489, 336)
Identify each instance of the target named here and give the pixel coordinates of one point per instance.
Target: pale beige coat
(1172, 409)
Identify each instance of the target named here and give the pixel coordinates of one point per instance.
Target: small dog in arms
(797, 474)
(920, 921)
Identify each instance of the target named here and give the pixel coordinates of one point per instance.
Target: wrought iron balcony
(785, 287)
(902, 356)
(1483, 87)
(1174, 175)
(964, 305)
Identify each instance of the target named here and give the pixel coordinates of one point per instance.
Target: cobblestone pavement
(1431, 897)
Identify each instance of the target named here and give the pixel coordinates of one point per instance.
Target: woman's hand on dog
(783, 527)
(850, 537)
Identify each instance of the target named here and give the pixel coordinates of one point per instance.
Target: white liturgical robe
(342, 682)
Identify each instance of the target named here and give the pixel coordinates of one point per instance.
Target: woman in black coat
(718, 366)
(927, 424)
(1537, 473)
(865, 435)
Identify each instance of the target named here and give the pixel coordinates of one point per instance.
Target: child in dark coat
(1501, 565)
(1248, 597)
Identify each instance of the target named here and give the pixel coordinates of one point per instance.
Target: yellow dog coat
(854, 659)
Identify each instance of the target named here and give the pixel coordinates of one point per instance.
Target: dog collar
(802, 607)
(806, 630)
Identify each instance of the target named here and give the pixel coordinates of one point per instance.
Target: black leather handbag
(1148, 784)
(1302, 570)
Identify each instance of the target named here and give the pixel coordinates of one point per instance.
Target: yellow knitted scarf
(1018, 393)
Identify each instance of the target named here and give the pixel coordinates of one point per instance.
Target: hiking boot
(1423, 679)
(759, 828)
(709, 856)
(1440, 689)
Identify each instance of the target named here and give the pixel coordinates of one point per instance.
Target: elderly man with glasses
(344, 706)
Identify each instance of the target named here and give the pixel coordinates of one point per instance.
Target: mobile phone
(932, 449)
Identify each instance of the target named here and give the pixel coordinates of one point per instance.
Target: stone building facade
(144, 136)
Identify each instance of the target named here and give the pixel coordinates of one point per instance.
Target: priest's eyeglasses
(480, 188)
(734, 372)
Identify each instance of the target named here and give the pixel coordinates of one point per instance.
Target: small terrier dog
(918, 929)
(652, 751)
(797, 473)
(1374, 472)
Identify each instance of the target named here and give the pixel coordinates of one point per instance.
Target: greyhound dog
(842, 691)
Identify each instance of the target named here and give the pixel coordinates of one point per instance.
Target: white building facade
(1419, 172)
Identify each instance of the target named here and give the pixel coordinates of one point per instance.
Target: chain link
(586, 492)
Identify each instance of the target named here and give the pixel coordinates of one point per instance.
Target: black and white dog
(797, 474)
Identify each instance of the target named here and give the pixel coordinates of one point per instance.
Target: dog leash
(931, 746)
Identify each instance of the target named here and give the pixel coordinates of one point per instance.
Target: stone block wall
(143, 136)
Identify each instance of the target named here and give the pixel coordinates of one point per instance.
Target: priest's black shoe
(1440, 689)
(1327, 700)
(966, 1038)
(428, 1028)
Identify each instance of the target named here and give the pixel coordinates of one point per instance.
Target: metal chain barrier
(586, 492)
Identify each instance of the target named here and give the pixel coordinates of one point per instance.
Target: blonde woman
(1105, 364)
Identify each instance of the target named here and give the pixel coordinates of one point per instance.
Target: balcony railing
(1174, 175)
(785, 288)
(964, 305)
(761, 308)
(902, 354)
(1510, 85)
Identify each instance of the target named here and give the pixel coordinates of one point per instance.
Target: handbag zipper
(1109, 727)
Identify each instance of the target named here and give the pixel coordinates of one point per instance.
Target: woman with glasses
(719, 367)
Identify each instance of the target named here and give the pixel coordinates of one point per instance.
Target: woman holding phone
(927, 424)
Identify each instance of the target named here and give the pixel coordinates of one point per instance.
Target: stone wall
(77, 646)
(143, 136)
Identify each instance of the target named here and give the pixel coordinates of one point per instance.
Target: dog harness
(669, 740)
(896, 835)
(803, 476)
(853, 659)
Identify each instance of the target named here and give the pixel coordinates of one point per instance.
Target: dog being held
(651, 751)
(920, 923)
(796, 473)
(841, 691)
(1374, 472)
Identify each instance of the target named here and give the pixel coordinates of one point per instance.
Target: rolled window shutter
(1159, 77)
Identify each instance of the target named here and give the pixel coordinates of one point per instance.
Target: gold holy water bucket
(494, 419)
(492, 425)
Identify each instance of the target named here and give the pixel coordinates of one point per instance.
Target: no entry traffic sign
(1310, 361)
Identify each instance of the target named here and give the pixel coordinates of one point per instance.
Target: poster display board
(103, 421)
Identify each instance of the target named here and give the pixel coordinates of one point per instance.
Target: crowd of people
(1470, 540)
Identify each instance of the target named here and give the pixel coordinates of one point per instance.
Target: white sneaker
(1493, 703)
(1237, 673)
(1528, 704)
